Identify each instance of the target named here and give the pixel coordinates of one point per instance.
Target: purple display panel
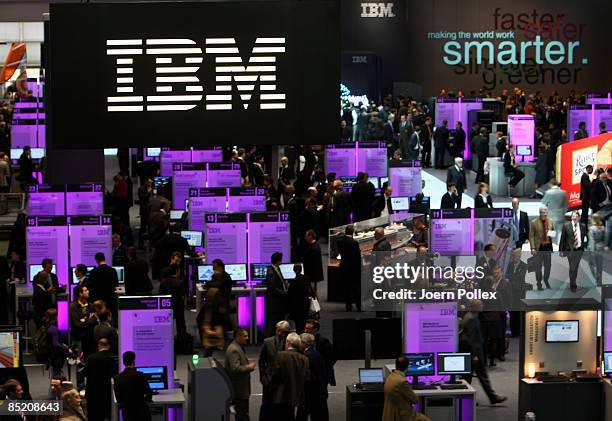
(146, 326)
(372, 158)
(260, 312)
(63, 316)
(494, 226)
(454, 110)
(452, 232)
(226, 237)
(41, 134)
(89, 235)
(85, 199)
(246, 199)
(244, 311)
(599, 98)
(341, 159)
(223, 174)
(47, 237)
(430, 327)
(185, 176)
(24, 135)
(577, 114)
(212, 154)
(168, 158)
(405, 178)
(268, 234)
(521, 132)
(203, 201)
(607, 324)
(446, 110)
(46, 200)
(602, 113)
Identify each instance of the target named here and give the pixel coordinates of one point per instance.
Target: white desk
(498, 182)
(172, 402)
(464, 401)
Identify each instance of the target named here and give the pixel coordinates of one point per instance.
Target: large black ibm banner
(183, 74)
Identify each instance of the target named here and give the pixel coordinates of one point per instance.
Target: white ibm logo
(377, 10)
(178, 88)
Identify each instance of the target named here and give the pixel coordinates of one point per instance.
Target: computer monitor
(15, 154)
(375, 181)
(607, 362)
(560, 331)
(400, 203)
(153, 152)
(110, 152)
(523, 150)
(39, 153)
(157, 377)
(120, 273)
(371, 375)
(205, 273)
(75, 280)
(194, 238)
(10, 351)
(176, 214)
(453, 363)
(161, 186)
(259, 271)
(34, 269)
(421, 364)
(286, 270)
(383, 180)
(238, 272)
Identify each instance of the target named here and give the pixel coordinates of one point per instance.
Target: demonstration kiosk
(146, 327)
(210, 390)
(558, 363)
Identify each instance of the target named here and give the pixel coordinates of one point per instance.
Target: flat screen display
(37, 153)
(192, 72)
(259, 271)
(562, 331)
(205, 273)
(176, 214)
(120, 273)
(523, 150)
(194, 238)
(34, 269)
(287, 271)
(153, 152)
(454, 363)
(400, 203)
(75, 280)
(421, 364)
(371, 375)
(10, 354)
(156, 377)
(607, 362)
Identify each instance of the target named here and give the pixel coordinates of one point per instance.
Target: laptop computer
(371, 379)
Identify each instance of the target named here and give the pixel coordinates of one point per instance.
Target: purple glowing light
(260, 311)
(244, 311)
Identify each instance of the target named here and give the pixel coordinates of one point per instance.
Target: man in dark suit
(339, 206)
(441, 136)
(482, 151)
(574, 239)
(425, 136)
(486, 261)
(458, 141)
(456, 175)
(449, 200)
(381, 242)
(99, 370)
(267, 358)
(290, 374)
(510, 167)
(520, 224)
(137, 281)
(119, 251)
(601, 194)
(276, 294)
(239, 369)
(585, 194)
(132, 391)
(102, 283)
(382, 204)
(362, 197)
(47, 265)
(515, 273)
(350, 268)
(316, 383)
(325, 348)
(166, 246)
(389, 134)
(581, 133)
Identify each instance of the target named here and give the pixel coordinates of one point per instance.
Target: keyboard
(424, 387)
(453, 386)
(371, 387)
(553, 379)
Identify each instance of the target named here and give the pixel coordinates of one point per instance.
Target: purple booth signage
(47, 237)
(405, 178)
(226, 237)
(205, 200)
(246, 199)
(223, 174)
(46, 200)
(185, 176)
(88, 236)
(85, 199)
(268, 234)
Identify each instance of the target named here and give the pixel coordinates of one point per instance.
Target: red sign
(573, 157)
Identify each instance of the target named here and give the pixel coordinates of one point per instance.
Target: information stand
(47, 237)
(89, 235)
(146, 326)
(268, 234)
(521, 133)
(372, 158)
(341, 159)
(226, 237)
(452, 232)
(210, 154)
(246, 199)
(169, 157)
(46, 200)
(203, 201)
(185, 176)
(84, 199)
(405, 178)
(223, 174)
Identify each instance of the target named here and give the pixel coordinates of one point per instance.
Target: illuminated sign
(377, 10)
